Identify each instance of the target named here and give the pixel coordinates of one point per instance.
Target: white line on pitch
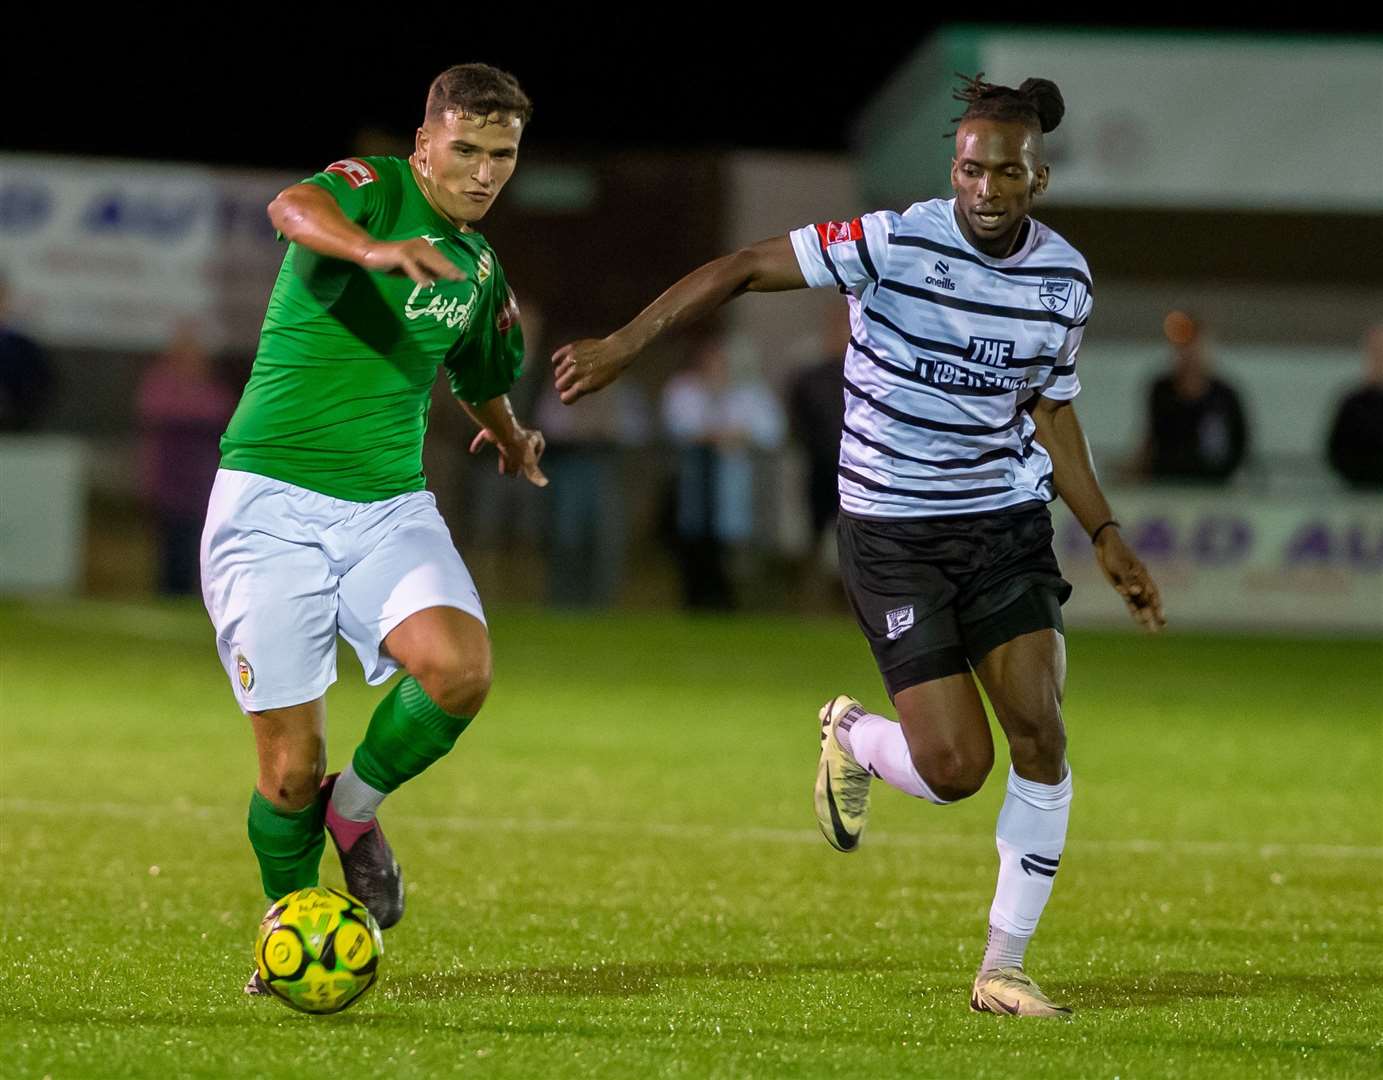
(160, 813)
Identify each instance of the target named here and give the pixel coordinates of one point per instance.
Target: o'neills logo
(944, 281)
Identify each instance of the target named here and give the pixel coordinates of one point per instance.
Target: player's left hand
(518, 455)
(1131, 580)
(585, 366)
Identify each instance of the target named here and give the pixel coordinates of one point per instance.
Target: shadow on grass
(612, 980)
(587, 980)
(1173, 987)
(634, 979)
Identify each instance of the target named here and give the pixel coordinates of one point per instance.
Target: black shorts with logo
(934, 595)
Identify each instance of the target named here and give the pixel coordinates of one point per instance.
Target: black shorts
(934, 595)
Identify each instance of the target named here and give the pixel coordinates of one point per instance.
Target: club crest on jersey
(244, 673)
(900, 621)
(484, 267)
(991, 351)
(1055, 293)
(357, 173)
(840, 232)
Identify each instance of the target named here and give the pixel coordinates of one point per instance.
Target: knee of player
(954, 774)
(1039, 745)
(292, 784)
(458, 684)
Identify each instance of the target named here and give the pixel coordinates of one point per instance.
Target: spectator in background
(717, 410)
(586, 443)
(1356, 436)
(26, 374)
(1196, 425)
(182, 410)
(816, 409)
(497, 524)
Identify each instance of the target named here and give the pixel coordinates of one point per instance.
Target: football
(318, 950)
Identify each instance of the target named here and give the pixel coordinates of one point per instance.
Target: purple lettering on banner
(24, 207)
(1312, 543)
(116, 212)
(1365, 551)
(1154, 538)
(1219, 541)
(236, 215)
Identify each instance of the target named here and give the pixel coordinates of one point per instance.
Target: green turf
(617, 873)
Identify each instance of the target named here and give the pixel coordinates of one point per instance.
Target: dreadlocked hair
(1037, 102)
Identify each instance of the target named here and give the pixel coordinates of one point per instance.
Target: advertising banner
(1230, 560)
(114, 254)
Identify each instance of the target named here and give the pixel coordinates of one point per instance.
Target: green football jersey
(337, 399)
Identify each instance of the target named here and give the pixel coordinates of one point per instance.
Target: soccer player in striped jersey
(966, 320)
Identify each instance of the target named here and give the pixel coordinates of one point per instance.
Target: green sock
(407, 733)
(287, 843)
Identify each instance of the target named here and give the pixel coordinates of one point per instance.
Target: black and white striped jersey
(948, 350)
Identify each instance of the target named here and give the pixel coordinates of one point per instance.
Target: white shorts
(285, 569)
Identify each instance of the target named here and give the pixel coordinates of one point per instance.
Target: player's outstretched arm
(1059, 432)
(520, 448)
(308, 215)
(583, 367)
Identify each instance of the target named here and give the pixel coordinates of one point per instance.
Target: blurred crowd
(1198, 430)
(709, 442)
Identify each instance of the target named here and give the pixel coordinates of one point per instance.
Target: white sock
(879, 744)
(354, 799)
(1003, 950)
(1030, 837)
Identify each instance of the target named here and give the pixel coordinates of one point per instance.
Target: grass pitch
(617, 873)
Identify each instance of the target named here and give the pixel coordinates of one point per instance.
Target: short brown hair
(478, 91)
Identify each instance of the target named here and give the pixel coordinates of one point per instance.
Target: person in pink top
(182, 409)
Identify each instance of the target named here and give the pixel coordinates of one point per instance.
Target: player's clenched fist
(415, 258)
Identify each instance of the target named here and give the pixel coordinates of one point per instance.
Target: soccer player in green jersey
(319, 522)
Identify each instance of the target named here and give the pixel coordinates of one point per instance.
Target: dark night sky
(262, 91)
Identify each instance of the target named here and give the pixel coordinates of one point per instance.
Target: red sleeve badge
(840, 232)
(357, 173)
(508, 315)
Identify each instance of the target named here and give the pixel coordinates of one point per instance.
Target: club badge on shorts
(900, 621)
(244, 673)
